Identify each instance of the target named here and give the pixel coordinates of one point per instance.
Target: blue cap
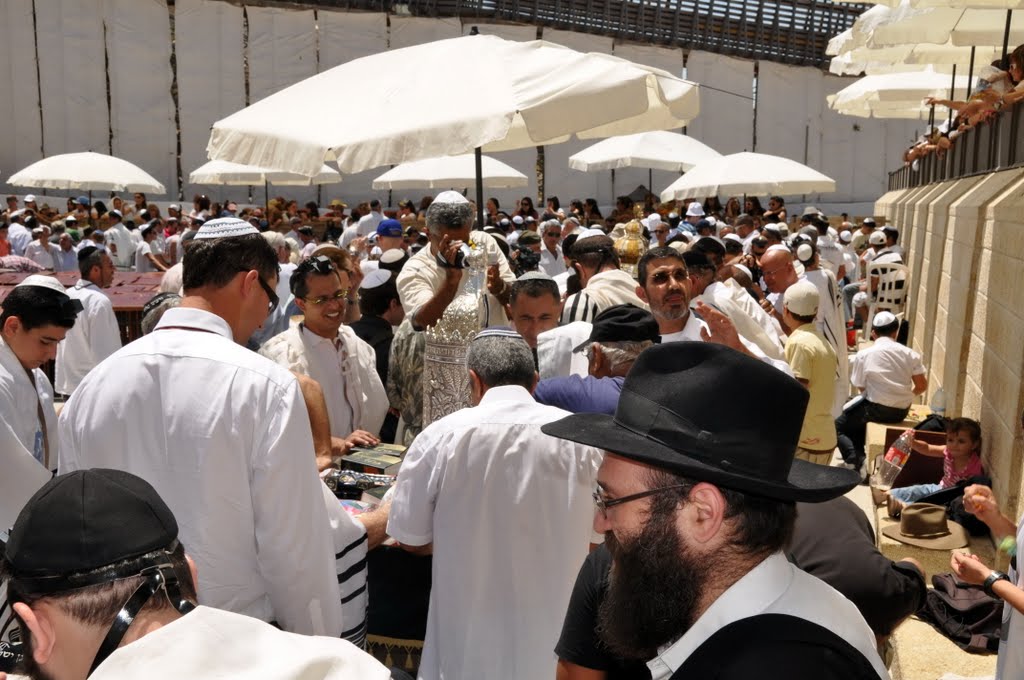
(83, 200)
(390, 228)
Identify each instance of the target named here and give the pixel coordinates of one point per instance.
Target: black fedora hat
(679, 410)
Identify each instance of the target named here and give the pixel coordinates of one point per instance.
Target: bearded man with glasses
(223, 435)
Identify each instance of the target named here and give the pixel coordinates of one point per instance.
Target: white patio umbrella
(899, 87)
(237, 174)
(964, 27)
(86, 171)
(506, 95)
(911, 110)
(748, 173)
(659, 150)
(477, 92)
(446, 172)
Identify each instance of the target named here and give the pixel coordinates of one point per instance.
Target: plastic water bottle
(895, 458)
(938, 402)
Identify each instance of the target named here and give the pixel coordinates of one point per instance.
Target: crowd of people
(1000, 86)
(638, 481)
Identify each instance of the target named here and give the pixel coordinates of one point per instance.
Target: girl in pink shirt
(961, 460)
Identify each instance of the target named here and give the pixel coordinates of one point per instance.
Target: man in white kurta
(508, 512)
(96, 334)
(223, 435)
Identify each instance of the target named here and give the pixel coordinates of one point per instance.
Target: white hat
(392, 255)
(695, 209)
(802, 299)
(43, 281)
(174, 206)
(845, 236)
(653, 220)
(732, 237)
(504, 222)
(378, 277)
(517, 220)
(883, 319)
(877, 238)
(225, 227)
(30, 198)
(811, 210)
(116, 213)
(745, 269)
(587, 233)
(70, 218)
(530, 218)
(672, 215)
(38, 231)
(450, 197)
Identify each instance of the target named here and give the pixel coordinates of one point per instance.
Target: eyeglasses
(603, 504)
(340, 296)
(554, 234)
(272, 298)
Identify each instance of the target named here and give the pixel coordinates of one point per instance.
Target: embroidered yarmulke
(450, 197)
(225, 227)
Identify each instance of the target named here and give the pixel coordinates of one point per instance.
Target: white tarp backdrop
(207, 33)
(21, 141)
(142, 111)
(286, 45)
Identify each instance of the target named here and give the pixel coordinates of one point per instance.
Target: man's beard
(653, 589)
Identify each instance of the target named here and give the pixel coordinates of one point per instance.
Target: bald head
(777, 268)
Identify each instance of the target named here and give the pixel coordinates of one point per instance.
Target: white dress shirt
(41, 254)
(22, 396)
(421, 278)
(65, 260)
(509, 512)
(223, 435)
(20, 237)
(368, 223)
(209, 643)
(885, 372)
(552, 264)
(142, 263)
(119, 235)
(94, 338)
(774, 587)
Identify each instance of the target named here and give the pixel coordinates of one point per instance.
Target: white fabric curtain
(207, 33)
(142, 112)
(22, 143)
(71, 73)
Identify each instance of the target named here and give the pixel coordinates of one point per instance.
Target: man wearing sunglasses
(223, 435)
(330, 352)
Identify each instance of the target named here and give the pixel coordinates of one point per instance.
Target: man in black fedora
(696, 499)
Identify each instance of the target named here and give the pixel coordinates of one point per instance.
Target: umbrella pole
(478, 161)
(266, 194)
(952, 90)
(1006, 32)
(970, 74)
(650, 181)
(613, 186)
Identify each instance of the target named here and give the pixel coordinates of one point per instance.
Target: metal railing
(786, 31)
(984, 148)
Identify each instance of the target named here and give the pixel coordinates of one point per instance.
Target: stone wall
(965, 251)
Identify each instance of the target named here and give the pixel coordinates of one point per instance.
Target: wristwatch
(991, 581)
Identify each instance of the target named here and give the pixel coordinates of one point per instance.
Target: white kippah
(450, 197)
(392, 255)
(378, 277)
(43, 281)
(778, 247)
(883, 319)
(732, 237)
(225, 227)
(587, 233)
(745, 269)
(517, 219)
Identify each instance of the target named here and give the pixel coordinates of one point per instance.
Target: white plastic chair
(891, 294)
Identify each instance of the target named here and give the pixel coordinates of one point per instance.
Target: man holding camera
(435, 276)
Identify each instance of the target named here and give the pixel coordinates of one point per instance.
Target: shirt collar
(198, 319)
(751, 595)
(506, 393)
(315, 339)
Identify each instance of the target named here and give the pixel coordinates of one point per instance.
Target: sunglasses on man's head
(319, 264)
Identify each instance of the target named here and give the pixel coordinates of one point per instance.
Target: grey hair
(151, 319)
(275, 239)
(501, 361)
(619, 354)
(549, 223)
(442, 216)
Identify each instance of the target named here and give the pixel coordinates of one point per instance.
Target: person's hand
(495, 284)
(919, 445)
(969, 568)
(720, 328)
(359, 245)
(362, 438)
(980, 501)
(767, 305)
(930, 101)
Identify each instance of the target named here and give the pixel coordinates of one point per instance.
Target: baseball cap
(390, 228)
(30, 198)
(877, 238)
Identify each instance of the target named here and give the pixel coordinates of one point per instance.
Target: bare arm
(376, 523)
(316, 406)
(566, 670)
(926, 449)
(920, 383)
(432, 310)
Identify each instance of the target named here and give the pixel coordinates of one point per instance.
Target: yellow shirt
(813, 359)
